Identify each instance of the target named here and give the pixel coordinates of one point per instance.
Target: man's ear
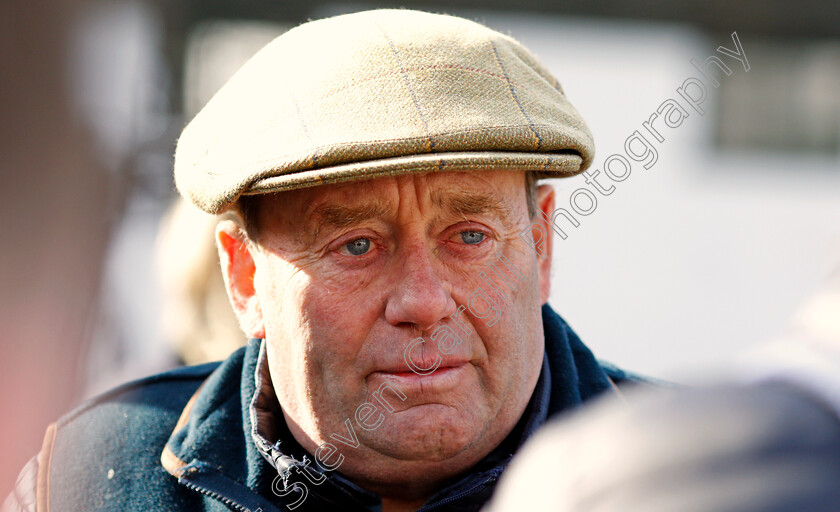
(238, 270)
(545, 208)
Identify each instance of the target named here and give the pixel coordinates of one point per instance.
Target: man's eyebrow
(473, 203)
(340, 216)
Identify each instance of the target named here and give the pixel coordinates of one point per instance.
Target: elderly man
(389, 256)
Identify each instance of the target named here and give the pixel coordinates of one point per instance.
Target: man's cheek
(336, 334)
(347, 280)
(341, 320)
(330, 300)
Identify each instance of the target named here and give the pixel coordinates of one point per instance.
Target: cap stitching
(515, 96)
(314, 156)
(393, 47)
(332, 92)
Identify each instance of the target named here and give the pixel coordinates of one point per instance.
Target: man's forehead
(461, 192)
(495, 193)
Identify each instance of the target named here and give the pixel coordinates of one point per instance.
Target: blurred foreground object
(54, 203)
(807, 354)
(767, 442)
(197, 317)
(723, 449)
(819, 316)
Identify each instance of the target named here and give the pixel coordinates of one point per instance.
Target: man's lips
(402, 368)
(408, 373)
(446, 376)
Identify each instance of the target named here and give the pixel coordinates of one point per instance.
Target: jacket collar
(232, 443)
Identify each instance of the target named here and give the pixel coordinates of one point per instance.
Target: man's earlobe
(238, 271)
(545, 210)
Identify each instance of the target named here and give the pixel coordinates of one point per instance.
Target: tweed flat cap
(373, 94)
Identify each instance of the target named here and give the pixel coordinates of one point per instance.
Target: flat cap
(373, 94)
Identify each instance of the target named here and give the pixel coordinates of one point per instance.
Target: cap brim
(547, 165)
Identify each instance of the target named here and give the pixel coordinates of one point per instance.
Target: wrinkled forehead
(303, 213)
(464, 192)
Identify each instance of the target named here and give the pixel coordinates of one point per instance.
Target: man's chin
(428, 432)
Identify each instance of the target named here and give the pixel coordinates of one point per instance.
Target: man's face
(345, 277)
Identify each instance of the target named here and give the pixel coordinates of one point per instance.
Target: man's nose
(420, 296)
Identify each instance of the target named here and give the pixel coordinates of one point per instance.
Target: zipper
(459, 496)
(227, 501)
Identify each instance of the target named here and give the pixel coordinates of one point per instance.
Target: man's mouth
(408, 373)
(446, 376)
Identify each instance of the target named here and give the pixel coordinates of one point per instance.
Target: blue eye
(358, 246)
(472, 237)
